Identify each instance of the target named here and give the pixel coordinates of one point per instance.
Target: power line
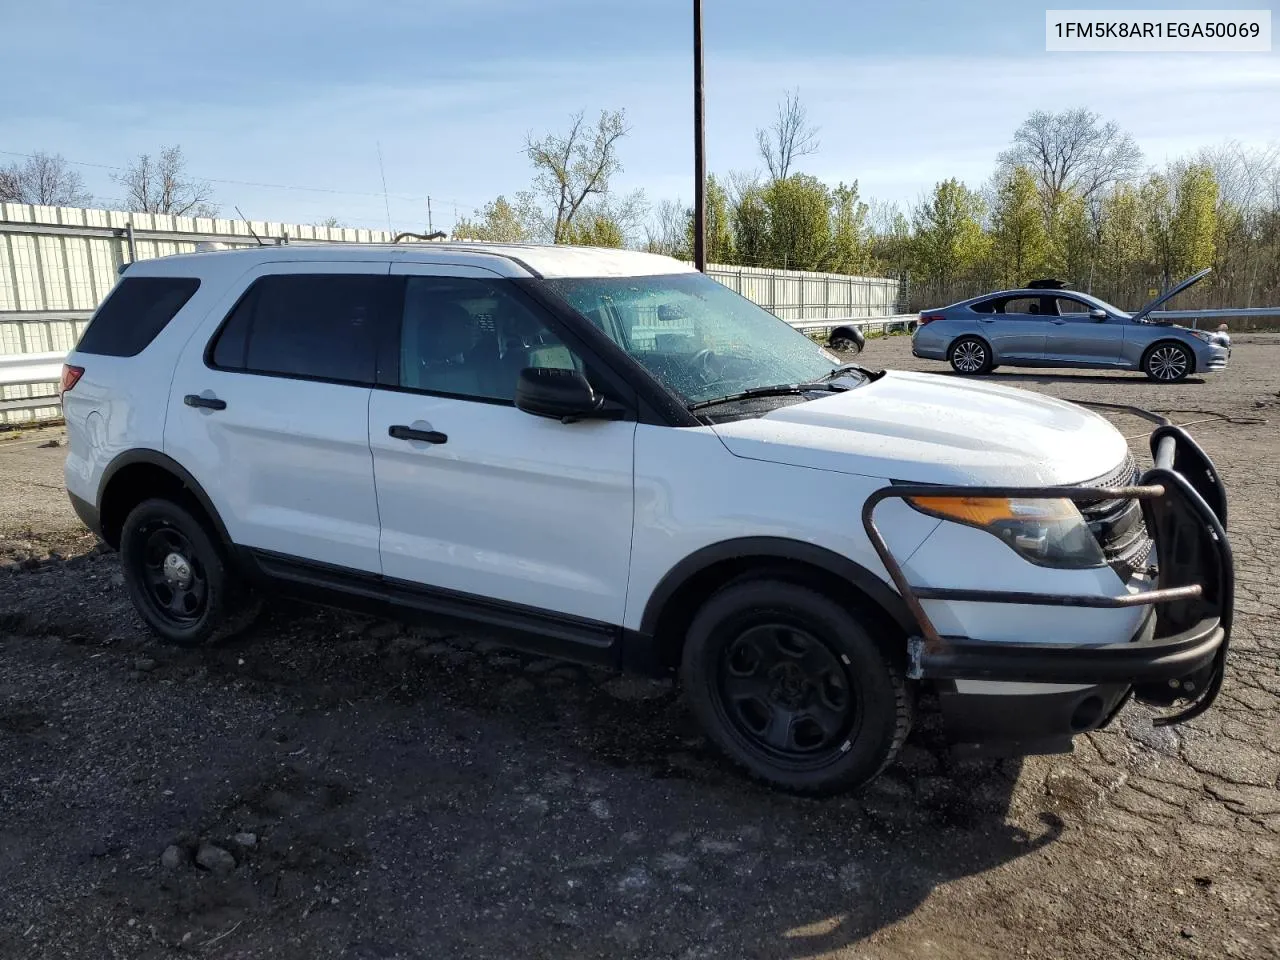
(268, 186)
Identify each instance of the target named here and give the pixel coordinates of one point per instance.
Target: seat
(435, 342)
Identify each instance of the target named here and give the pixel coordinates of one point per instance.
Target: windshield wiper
(844, 368)
(777, 390)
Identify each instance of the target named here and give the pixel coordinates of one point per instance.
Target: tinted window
(134, 313)
(472, 338)
(1029, 305)
(319, 326)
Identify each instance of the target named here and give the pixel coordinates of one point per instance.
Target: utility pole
(699, 148)
(430, 227)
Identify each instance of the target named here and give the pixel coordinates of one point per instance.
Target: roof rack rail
(438, 235)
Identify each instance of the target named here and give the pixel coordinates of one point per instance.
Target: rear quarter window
(134, 313)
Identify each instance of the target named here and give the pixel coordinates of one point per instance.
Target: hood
(928, 428)
(1172, 292)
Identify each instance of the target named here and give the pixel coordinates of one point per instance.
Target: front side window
(697, 337)
(311, 326)
(1073, 309)
(470, 338)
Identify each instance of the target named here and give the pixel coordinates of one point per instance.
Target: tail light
(930, 317)
(70, 377)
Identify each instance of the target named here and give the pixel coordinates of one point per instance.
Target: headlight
(1204, 335)
(1051, 533)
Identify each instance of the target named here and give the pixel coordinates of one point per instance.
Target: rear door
(483, 505)
(1014, 327)
(269, 409)
(1075, 337)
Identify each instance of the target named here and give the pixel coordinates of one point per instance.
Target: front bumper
(1178, 656)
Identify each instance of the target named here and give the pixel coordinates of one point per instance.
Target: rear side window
(313, 326)
(134, 313)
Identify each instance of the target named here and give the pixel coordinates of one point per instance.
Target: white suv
(609, 457)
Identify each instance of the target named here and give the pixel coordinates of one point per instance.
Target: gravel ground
(331, 786)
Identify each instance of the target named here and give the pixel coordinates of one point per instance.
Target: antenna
(385, 201)
(250, 226)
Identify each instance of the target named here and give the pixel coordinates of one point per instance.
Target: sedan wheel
(969, 355)
(1168, 363)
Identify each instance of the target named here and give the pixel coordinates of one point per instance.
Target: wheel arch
(678, 595)
(136, 475)
(971, 335)
(1146, 353)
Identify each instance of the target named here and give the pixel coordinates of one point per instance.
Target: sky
(285, 105)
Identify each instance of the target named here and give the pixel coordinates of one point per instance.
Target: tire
(178, 577)
(970, 356)
(845, 344)
(794, 688)
(1168, 362)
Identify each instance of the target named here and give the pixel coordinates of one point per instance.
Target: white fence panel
(58, 263)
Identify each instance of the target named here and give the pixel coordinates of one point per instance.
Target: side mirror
(561, 394)
(1098, 316)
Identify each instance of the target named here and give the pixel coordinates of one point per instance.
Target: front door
(269, 410)
(1075, 337)
(477, 498)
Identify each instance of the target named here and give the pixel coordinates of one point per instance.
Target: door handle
(402, 432)
(208, 403)
(1057, 323)
(986, 320)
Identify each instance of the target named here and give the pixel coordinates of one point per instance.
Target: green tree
(799, 235)
(1072, 241)
(719, 224)
(1181, 220)
(1195, 219)
(1123, 247)
(501, 222)
(849, 252)
(749, 220)
(1019, 243)
(597, 229)
(573, 169)
(949, 244)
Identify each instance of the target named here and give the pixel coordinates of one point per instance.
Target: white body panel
(926, 428)
(287, 463)
(514, 507)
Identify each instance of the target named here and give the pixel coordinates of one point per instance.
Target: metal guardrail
(1243, 313)
(866, 324)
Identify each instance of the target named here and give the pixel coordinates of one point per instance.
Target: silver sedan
(1044, 325)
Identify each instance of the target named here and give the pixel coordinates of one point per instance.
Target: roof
(505, 259)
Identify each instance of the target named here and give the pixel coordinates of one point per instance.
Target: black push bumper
(1179, 657)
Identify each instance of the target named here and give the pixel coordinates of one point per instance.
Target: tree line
(1070, 198)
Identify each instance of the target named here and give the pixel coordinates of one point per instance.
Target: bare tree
(1072, 151)
(665, 231)
(161, 185)
(43, 179)
(790, 137)
(575, 167)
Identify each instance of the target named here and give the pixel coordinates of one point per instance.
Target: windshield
(696, 336)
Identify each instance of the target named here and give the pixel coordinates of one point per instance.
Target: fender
(157, 459)
(777, 548)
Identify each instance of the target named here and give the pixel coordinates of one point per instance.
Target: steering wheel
(707, 365)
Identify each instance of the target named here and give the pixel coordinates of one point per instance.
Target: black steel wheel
(177, 576)
(1168, 362)
(794, 686)
(970, 356)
